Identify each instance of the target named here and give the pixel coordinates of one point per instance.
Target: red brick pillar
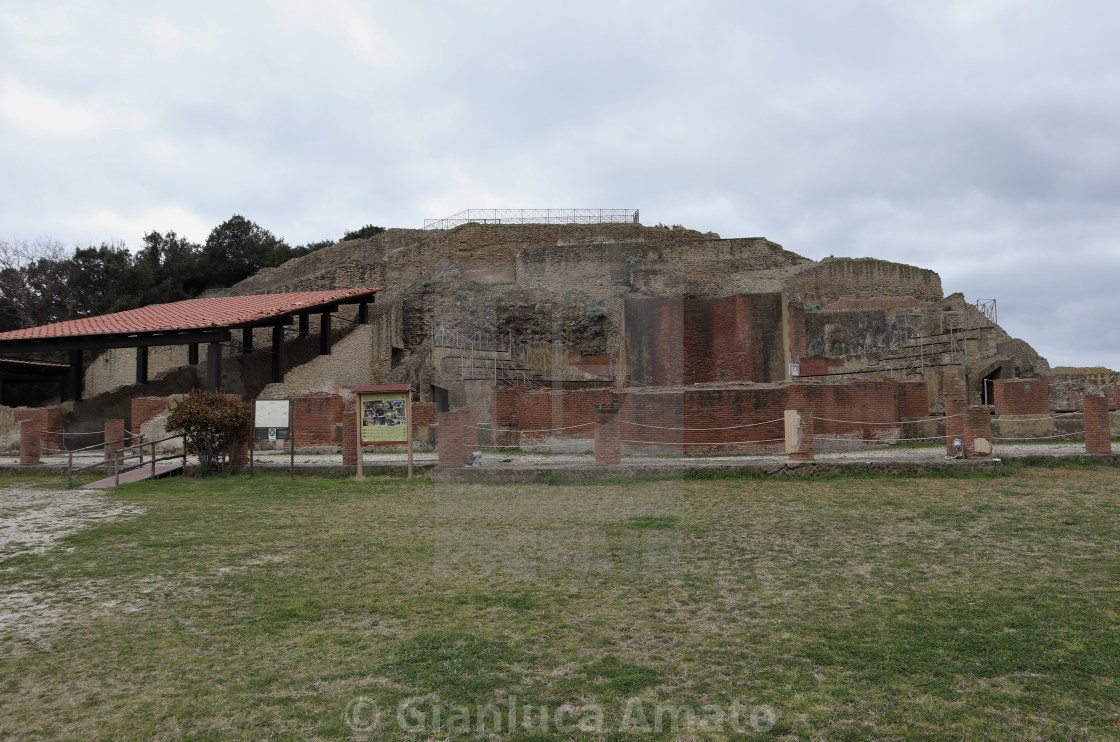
(30, 442)
(114, 431)
(50, 439)
(350, 435)
(608, 441)
(458, 436)
(977, 432)
(241, 454)
(954, 423)
(1098, 438)
(805, 449)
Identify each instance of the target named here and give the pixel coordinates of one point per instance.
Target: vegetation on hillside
(43, 281)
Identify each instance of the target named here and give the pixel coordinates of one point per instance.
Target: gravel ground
(279, 459)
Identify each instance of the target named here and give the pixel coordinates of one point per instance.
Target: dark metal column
(325, 334)
(72, 388)
(142, 365)
(247, 339)
(213, 367)
(363, 313)
(278, 353)
(304, 324)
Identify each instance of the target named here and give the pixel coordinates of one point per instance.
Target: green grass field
(982, 607)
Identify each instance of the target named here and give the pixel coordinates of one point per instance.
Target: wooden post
(360, 475)
(291, 438)
(408, 424)
(252, 435)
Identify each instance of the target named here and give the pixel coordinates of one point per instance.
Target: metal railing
(535, 216)
(115, 458)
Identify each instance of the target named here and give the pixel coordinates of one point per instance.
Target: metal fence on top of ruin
(535, 216)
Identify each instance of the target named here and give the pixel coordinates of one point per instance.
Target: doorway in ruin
(987, 385)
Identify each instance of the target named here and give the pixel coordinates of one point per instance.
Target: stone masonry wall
(864, 278)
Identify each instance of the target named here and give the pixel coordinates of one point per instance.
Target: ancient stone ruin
(700, 342)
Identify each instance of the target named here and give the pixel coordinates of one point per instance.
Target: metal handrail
(119, 457)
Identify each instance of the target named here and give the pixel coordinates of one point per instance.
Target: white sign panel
(272, 413)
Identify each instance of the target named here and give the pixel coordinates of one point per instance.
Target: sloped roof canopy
(209, 320)
(177, 322)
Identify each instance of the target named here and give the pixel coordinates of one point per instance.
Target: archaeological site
(565, 333)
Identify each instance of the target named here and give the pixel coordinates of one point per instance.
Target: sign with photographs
(384, 417)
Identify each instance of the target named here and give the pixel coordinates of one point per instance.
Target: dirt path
(32, 520)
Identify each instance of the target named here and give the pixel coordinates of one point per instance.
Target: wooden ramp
(138, 474)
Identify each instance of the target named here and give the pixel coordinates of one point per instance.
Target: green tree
(238, 248)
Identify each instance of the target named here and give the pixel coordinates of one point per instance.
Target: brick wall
(977, 432)
(608, 444)
(458, 435)
(954, 423)
(350, 435)
(48, 421)
(423, 415)
(1098, 438)
(114, 436)
(1021, 396)
(317, 419)
(913, 399)
(30, 441)
(672, 342)
(145, 409)
(704, 420)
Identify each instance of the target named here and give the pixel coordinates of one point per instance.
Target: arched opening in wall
(396, 357)
(987, 385)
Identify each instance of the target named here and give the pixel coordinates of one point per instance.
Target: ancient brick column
(50, 439)
(1098, 438)
(241, 454)
(977, 432)
(30, 442)
(954, 423)
(350, 435)
(608, 441)
(114, 431)
(799, 435)
(458, 436)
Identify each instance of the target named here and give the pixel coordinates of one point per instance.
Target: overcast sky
(979, 138)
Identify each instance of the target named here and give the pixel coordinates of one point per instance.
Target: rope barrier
(542, 430)
(731, 427)
(700, 443)
(498, 448)
(1042, 437)
(876, 440)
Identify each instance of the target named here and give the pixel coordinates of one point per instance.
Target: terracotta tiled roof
(192, 314)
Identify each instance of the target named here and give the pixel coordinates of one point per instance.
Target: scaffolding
(535, 216)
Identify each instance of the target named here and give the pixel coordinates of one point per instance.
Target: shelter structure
(17, 375)
(210, 321)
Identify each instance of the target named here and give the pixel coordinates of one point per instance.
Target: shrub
(363, 234)
(213, 426)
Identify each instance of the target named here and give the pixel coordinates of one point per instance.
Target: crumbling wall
(864, 278)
